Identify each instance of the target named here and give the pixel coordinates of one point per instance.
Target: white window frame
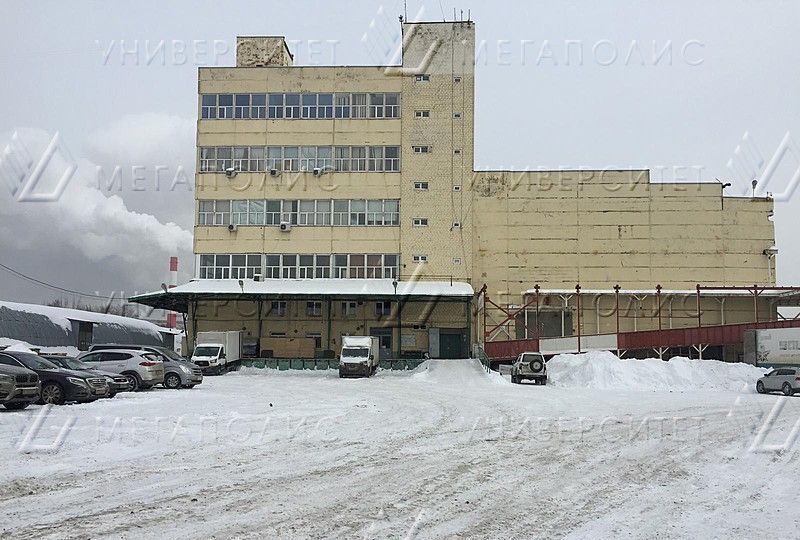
(420, 222)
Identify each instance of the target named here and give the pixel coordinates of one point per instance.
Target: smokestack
(172, 317)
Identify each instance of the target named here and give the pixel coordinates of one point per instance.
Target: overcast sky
(676, 87)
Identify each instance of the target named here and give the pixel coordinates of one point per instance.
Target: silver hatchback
(786, 380)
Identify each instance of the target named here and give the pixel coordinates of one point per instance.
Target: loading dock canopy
(178, 298)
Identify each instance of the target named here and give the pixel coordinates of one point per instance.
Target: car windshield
(354, 352)
(172, 355)
(206, 351)
(531, 357)
(32, 361)
(72, 363)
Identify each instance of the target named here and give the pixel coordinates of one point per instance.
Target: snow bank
(605, 370)
(18, 345)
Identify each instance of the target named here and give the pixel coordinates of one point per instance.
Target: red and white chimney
(172, 317)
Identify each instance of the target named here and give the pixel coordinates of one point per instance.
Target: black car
(58, 385)
(116, 382)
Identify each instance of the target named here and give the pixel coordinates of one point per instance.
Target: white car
(142, 368)
(786, 380)
(530, 366)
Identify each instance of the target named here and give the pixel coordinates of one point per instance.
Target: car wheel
(172, 381)
(760, 388)
(53, 394)
(536, 366)
(16, 406)
(134, 381)
(787, 389)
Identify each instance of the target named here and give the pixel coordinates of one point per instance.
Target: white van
(359, 357)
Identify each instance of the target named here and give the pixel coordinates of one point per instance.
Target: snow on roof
(321, 287)
(62, 316)
(639, 292)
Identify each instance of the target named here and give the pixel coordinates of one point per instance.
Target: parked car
(19, 387)
(143, 369)
(178, 372)
(116, 382)
(58, 385)
(529, 366)
(786, 380)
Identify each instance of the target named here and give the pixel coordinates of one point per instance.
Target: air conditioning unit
(256, 277)
(286, 226)
(233, 228)
(230, 172)
(274, 172)
(317, 171)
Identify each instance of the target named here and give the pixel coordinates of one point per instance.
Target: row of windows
(299, 266)
(279, 308)
(300, 158)
(312, 212)
(302, 106)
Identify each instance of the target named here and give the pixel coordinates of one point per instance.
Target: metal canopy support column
(328, 323)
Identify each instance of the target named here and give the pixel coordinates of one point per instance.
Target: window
(242, 106)
(277, 334)
(341, 158)
(274, 158)
(205, 213)
(358, 161)
(457, 115)
(208, 159)
(245, 266)
(208, 106)
(375, 158)
(275, 108)
(419, 326)
(392, 106)
(308, 157)
(309, 106)
(358, 109)
(341, 212)
(457, 151)
(258, 106)
(376, 102)
(420, 222)
(272, 215)
(391, 158)
(422, 77)
(306, 266)
(456, 225)
(322, 266)
(314, 308)
(239, 212)
(383, 308)
(421, 149)
(278, 308)
(457, 187)
(342, 105)
(421, 186)
(456, 79)
(225, 106)
(420, 259)
(291, 105)
(273, 267)
(422, 114)
(255, 214)
(349, 309)
(358, 212)
(289, 266)
(456, 260)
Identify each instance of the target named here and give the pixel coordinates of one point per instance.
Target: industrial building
(361, 180)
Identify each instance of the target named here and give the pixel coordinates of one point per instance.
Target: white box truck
(359, 357)
(217, 352)
(772, 347)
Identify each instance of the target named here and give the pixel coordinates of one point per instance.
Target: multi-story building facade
(367, 173)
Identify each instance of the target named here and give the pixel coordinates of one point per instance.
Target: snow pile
(22, 346)
(606, 371)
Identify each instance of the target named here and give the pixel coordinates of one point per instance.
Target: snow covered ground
(441, 452)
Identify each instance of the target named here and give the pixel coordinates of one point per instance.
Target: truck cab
(210, 357)
(359, 356)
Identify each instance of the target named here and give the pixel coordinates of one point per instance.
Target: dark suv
(116, 382)
(58, 385)
(19, 387)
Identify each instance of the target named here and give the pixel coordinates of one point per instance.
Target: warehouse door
(452, 343)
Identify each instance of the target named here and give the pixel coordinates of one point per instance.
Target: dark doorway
(452, 343)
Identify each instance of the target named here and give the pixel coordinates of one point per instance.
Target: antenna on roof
(405, 10)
